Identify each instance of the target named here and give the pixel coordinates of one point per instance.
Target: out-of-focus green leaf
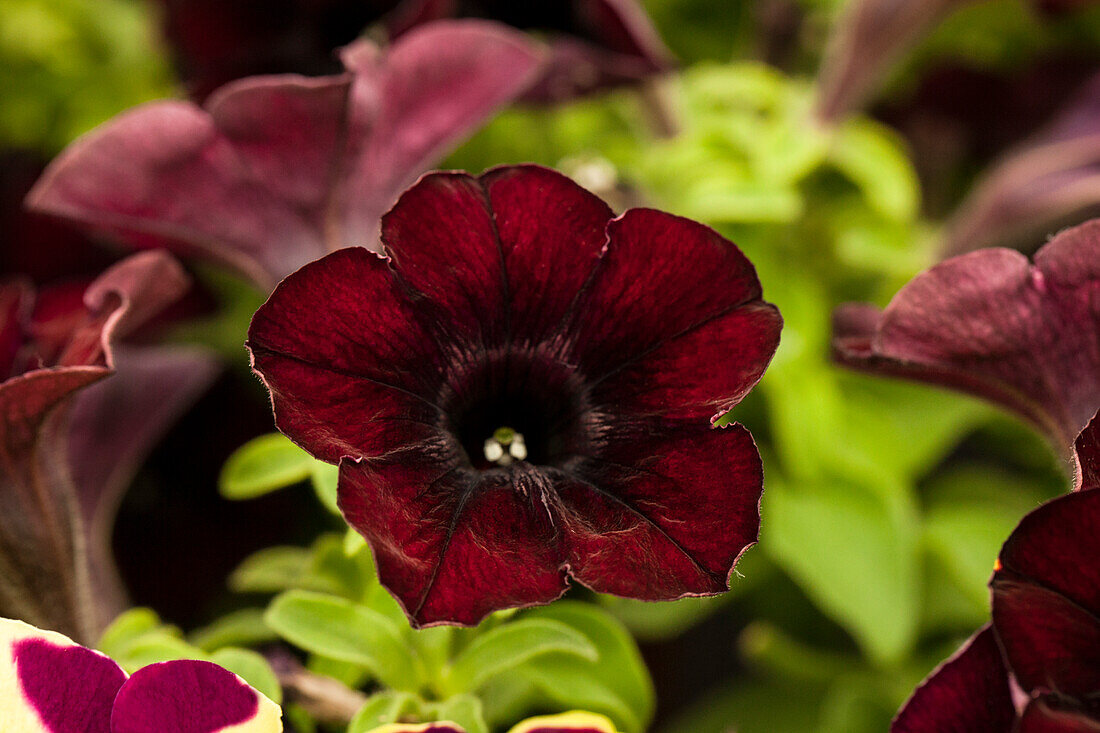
(324, 478)
(129, 626)
(462, 709)
(271, 570)
(385, 707)
(337, 628)
(263, 465)
(873, 158)
(751, 707)
(245, 627)
(617, 684)
(769, 648)
(252, 668)
(506, 647)
(854, 551)
(659, 621)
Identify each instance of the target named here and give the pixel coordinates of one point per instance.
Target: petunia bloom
(72, 434)
(593, 43)
(49, 684)
(1034, 669)
(277, 171)
(1024, 335)
(1037, 187)
(573, 722)
(518, 394)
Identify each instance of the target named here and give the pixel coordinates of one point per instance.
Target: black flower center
(517, 407)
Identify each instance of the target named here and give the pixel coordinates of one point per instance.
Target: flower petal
(575, 721)
(215, 42)
(869, 37)
(189, 696)
(662, 512)
(662, 279)
(114, 425)
(432, 89)
(552, 234)
(276, 171)
(967, 693)
(1086, 451)
(988, 323)
(355, 377)
(49, 684)
(1046, 601)
(44, 574)
(454, 544)
(1038, 186)
(1045, 715)
(594, 43)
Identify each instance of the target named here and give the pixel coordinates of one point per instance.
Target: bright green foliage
(68, 65)
(262, 465)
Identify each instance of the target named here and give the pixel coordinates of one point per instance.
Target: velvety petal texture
(968, 693)
(1024, 335)
(44, 565)
(514, 305)
(190, 696)
(1045, 183)
(276, 171)
(1046, 597)
(49, 684)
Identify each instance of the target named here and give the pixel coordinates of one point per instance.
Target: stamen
(505, 447)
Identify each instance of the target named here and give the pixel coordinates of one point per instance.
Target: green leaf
(252, 668)
(464, 710)
(337, 628)
(271, 570)
(263, 465)
(384, 708)
(619, 667)
(324, 478)
(582, 689)
(126, 629)
(509, 646)
(156, 647)
(874, 159)
(245, 627)
(854, 552)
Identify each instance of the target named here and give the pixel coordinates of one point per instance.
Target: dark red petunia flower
(594, 43)
(1041, 185)
(518, 394)
(1043, 674)
(71, 437)
(1024, 335)
(277, 171)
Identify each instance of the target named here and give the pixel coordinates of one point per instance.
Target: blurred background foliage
(885, 503)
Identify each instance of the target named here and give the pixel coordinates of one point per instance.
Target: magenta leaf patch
(510, 405)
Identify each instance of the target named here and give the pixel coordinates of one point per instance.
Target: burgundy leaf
(968, 693)
(276, 171)
(1048, 714)
(989, 323)
(509, 405)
